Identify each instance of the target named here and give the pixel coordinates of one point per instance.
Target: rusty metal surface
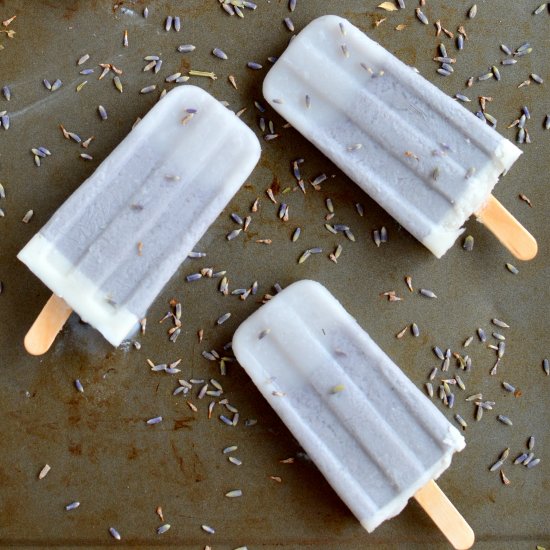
(100, 449)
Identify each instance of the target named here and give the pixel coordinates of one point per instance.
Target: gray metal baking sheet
(100, 449)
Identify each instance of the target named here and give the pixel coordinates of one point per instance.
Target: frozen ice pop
(374, 436)
(113, 245)
(423, 157)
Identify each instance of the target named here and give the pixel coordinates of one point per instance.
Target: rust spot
(197, 467)
(273, 167)
(133, 453)
(276, 185)
(4, 478)
(179, 458)
(185, 66)
(76, 449)
(70, 11)
(184, 422)
(198, 475)
(92, 454)
(73, 419)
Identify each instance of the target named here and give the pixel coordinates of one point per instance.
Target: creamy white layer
(423, 157)
(375, 437)
(59, 275)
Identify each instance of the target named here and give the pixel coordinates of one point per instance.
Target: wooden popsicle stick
(445, 516)
(508, 230)
(47, 325)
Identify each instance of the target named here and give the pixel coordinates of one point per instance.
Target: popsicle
(419, 154)
(113, 245)
(376, 438)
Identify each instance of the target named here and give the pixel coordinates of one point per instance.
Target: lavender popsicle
(376, 438)
(419, 154)
(113, 245)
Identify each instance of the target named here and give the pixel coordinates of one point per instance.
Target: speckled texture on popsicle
(423, 157)
(374, 436)
(113, 245)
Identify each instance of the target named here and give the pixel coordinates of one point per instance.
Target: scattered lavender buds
(186, 48)
(44, 471)
(114, 533)
(421, 16)
(219, 53)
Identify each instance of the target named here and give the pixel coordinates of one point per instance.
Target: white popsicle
(423, 157)
(375, 437)
(113, 245)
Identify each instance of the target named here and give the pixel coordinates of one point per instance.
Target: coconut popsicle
(375, 437)
(422, 156)
(113, 245)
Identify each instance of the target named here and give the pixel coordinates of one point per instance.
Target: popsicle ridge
(413, 139)
(164, 194)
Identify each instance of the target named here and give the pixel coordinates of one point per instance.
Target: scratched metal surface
(100, 449)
